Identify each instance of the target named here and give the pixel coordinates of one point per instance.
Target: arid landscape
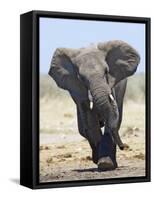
(66, 156)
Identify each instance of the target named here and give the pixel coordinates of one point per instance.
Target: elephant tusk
(90, 96)
(111, 97)
(91, 105)
(90, 99)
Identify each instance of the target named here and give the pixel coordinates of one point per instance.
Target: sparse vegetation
(135, 88)
(49, 89)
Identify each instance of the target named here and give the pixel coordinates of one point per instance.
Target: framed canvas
(85, 99)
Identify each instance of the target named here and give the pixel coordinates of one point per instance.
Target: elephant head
(96, 71)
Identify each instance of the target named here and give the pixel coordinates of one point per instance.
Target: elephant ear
(64, 72)
(121, 58)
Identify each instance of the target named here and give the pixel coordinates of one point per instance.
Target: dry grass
(133, 116)
(57, 115)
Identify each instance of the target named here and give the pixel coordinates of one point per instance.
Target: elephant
(96, 79)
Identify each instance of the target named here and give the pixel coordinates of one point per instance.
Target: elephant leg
(107, 147)
(80, 124)
(120, 89)
(89, 128)
(119, 95)
(88, 125)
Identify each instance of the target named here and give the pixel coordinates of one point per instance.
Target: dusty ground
(68, 157)
(65, 155)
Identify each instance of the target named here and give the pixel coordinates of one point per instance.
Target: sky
(68, 33)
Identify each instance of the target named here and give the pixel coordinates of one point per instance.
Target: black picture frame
(29, 98)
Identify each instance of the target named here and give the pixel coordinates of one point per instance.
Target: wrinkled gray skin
(96, 79)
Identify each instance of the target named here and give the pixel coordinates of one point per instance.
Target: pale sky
(68, 33)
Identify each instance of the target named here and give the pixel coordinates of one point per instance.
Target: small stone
(49, 160)
(46, 148)
(68, 115)
(67, 155)
(88, 158)
(140, 156)
(61, 147)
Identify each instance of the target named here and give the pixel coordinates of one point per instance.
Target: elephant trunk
(100, 92)
(106, 106)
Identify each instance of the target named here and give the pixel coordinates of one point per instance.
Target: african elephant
(96, 79)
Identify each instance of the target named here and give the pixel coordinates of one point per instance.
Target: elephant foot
(106, 164)
(95, 155)
(124, 147)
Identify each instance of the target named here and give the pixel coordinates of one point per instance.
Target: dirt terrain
(68, 157)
